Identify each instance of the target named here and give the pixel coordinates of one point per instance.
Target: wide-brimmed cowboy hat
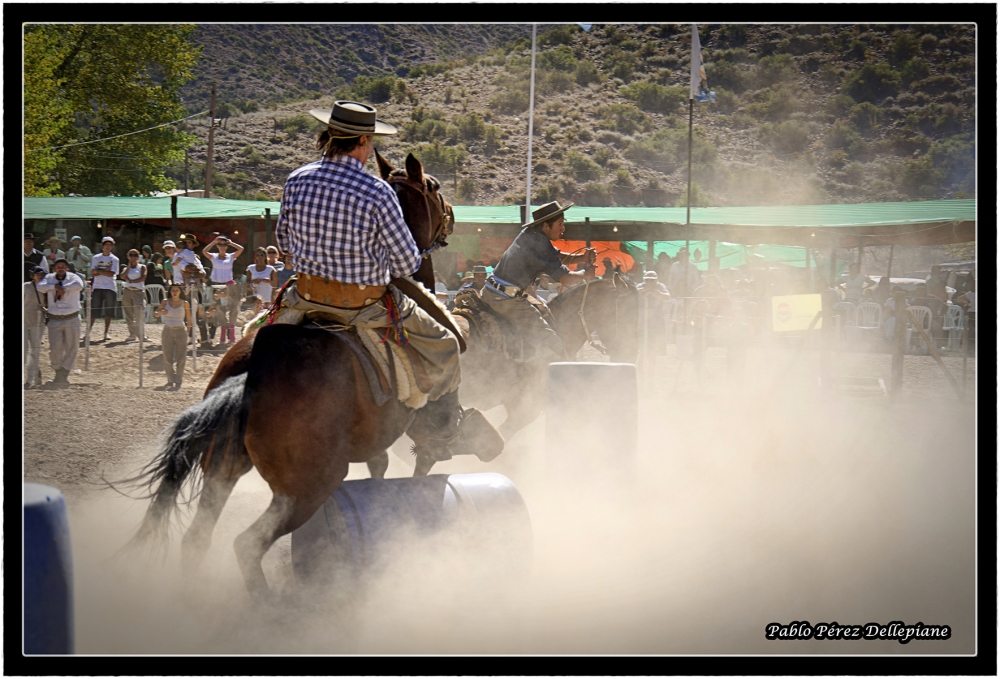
(547, 212)
(188, 236)
(352, 117)
(53, 239)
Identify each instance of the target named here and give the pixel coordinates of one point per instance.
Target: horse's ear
(414, 170)
(384, 168)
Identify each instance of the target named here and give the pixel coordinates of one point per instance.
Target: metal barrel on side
(592, 420)
(482, 518)
(48, 572)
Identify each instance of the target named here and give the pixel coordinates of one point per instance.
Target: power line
(117, 136)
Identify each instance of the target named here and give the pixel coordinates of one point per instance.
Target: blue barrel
(358, 526)
(48, 572)
(592, 419)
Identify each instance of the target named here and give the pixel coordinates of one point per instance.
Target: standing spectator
(222, 261)
(32, 257)
(52, 251)
(170, 251)
(935, 284)
(79, 256)
(228, 306)
(881, 294)
(146, 254)
(103, 270)
(653, 296)
(287, 272)
(684, 276)
(263, 277)
(176, 315)
(272, 258)
(154, 270)
(187, 266)
(855, 285)
(201, 307)
(34, 328)
(663, 264)
(133, 293)
(968, 298)
(63, 290)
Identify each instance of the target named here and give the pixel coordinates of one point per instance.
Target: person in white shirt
(52, 252)
(79, 255)
(263, 277)
(187, 266)
(169, 252)
(103, 271)
(684, 276)
(133, 293)
(34, 328)
(855, 285)
(63, 291)
(222, 261)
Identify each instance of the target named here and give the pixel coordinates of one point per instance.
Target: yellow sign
(795, 312)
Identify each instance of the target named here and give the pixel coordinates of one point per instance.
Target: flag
(585, 27)
(699, 81)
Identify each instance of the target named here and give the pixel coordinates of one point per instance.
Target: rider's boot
(442, 428)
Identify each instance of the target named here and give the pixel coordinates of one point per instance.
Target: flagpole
(690, 145)
(531, 125)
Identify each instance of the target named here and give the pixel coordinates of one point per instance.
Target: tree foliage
(90, 82)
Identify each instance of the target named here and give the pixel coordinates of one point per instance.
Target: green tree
(85, 83)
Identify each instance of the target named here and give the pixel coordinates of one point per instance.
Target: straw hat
(352, 118)
(547, 212)
(53, 239)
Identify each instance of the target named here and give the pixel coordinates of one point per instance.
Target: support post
(933, 351)
(898, 345)
(861, 250)
(173, 218)
(587, 229)
(833, 266)
(86, 342)
(186, 172)
(650, 258)
(142, 332)
(531, 121)
(267, 225)
(888, 273)
(250, 246)
(809, 270)
(208, 152)
(828, 338)
(713, 265)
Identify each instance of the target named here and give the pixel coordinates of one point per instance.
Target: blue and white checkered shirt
(342, 223)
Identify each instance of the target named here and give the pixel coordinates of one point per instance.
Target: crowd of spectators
(213, 289)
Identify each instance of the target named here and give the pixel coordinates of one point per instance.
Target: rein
(583, 319)
(445, 217)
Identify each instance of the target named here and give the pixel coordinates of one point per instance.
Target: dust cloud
(748, 506)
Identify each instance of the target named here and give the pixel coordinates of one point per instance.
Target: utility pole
(208, 154)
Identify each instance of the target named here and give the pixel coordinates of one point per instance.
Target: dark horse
(292, 402)
(610, 307)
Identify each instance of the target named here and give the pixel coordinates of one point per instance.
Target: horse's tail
(205, 438)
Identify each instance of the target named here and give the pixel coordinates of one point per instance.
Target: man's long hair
(329, 144)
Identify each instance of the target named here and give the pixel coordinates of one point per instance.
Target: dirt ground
(757, 500)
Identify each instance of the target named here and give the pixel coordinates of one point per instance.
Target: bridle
(439, 212)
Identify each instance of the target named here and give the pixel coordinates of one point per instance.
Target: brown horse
(292, 402)
(610, 307)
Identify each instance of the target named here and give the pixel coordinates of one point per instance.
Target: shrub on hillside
(912, 70)
(421, 70)
(776, 69)
(559, 36)
(554, 81)
(441, 160)
(935, 119)
(623, 118)
(843, 136)
(653, 97)
(559, 59)
(726, 101)
(904, 47)
(430, 129)
(666, 150)
(471, 126)
(736, 56)
(787, 137)
(367, 88)
(595, 195)
(465, 191)
(586, 73)
(865, 116)
(602, 156)
(582, 167)
(872, 82)
(727, 75)
(937, 84)
(773, 104)
(513, 100)
(299, 123)
(839, 105)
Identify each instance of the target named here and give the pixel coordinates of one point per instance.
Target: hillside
(804, 114)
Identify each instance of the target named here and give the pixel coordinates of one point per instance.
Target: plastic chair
(674, 315)
(868, 318)
(848, 319)
(922, 315)
(154, 295)
(954, 323)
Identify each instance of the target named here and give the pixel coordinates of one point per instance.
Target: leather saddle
(493, 331)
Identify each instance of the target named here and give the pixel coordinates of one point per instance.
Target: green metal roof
(144, 207)
(853, 214)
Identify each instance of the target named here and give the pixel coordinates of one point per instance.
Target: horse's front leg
(378, 465)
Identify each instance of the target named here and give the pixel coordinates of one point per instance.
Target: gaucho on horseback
(345, 231)
(529, 256)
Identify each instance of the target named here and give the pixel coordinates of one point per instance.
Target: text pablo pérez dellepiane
(896, 630)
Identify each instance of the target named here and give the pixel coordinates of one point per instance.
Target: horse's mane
(431, 181)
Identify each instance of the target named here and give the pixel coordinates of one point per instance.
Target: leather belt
(63, 317)
(319, 290)
(511, 290)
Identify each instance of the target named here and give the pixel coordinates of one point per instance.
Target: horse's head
(425, 210)
(611, 307)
